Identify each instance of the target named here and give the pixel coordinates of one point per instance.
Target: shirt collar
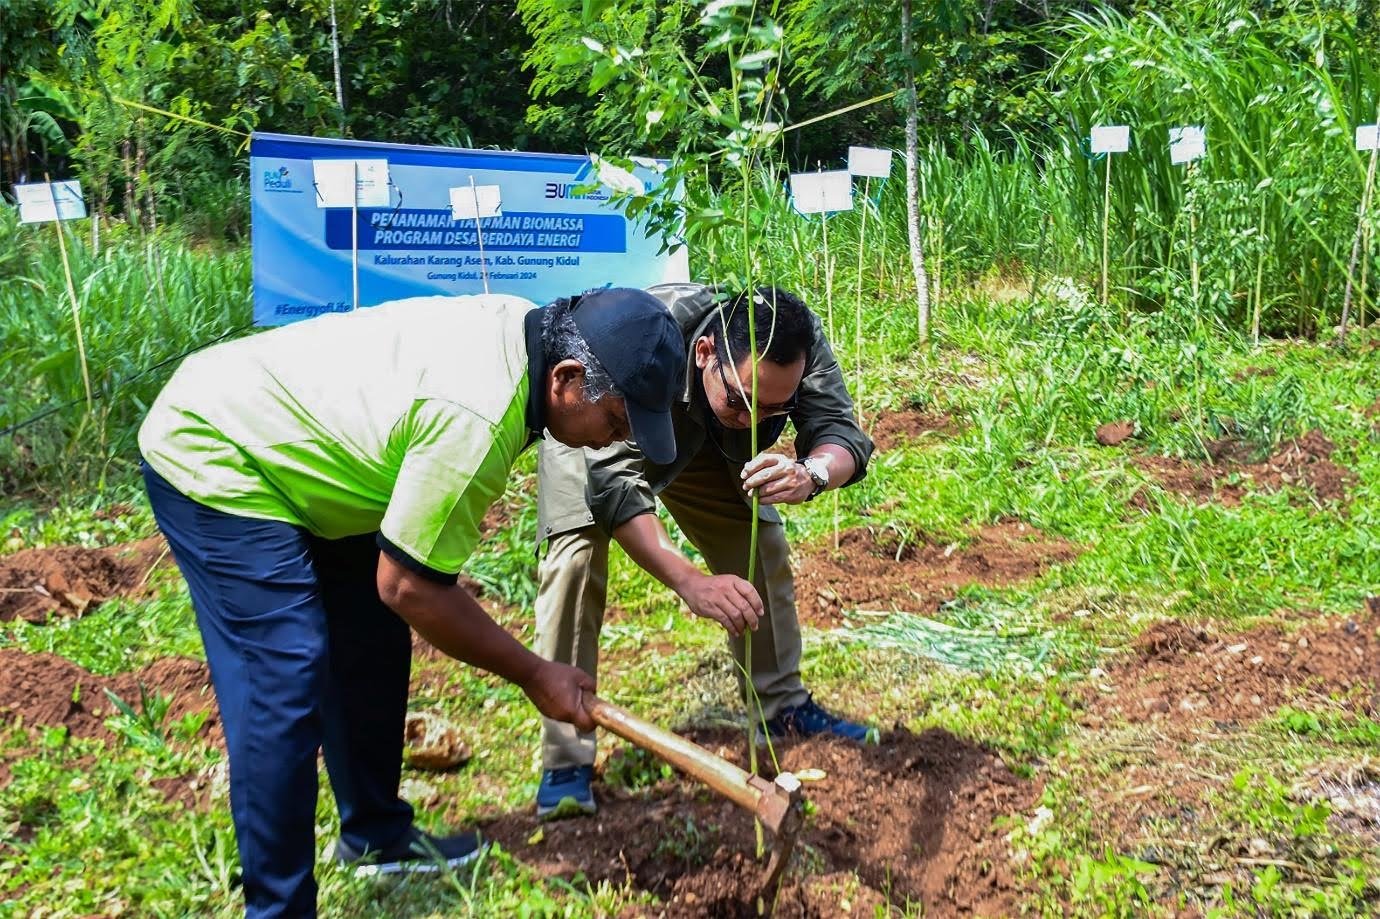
(536, 374)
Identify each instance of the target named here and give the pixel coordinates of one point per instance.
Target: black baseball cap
(634, 337)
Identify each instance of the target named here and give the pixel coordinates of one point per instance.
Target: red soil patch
(45, 689)
(1187, 674)
(1230, 475)
(68, 580)
(913, 818)
(878, 569)
(1115, 432)
(890, 430)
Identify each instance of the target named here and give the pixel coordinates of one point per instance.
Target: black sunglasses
(734, 399)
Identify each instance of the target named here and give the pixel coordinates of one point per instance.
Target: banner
(556, 232)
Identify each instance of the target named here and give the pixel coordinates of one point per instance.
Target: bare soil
(1179, 672)
(913, 817)
(48, 690)
(890, 430)
(70, 581)
(882, 569)
(1231, 474)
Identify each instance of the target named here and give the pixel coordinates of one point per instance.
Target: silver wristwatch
(818, 473)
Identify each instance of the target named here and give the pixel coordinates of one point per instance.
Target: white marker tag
(334, 179)
(471, 202)
(822, 192)
(1111, 138)
(1187, 144)
(869, 161)
(36, 201)
(1367, 137)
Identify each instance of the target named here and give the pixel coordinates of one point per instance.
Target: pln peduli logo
(277, 179)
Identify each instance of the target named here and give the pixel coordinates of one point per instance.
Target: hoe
(779, 805)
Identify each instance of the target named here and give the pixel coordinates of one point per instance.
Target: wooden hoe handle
(770, 802)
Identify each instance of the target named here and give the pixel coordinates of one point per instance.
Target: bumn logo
(277, 179)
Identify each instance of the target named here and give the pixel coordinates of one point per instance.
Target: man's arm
(725, 598)
(448, 617)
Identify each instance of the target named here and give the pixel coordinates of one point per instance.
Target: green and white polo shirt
(404, 419)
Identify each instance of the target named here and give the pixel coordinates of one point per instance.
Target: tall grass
(142, 300)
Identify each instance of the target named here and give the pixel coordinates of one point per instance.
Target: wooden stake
(1192, 242)
(858, 316)
(1106, 223)
(354, 232)
(1356, 243)
(71, 296)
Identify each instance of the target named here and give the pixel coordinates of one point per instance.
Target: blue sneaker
(566, 793)
(809, 720)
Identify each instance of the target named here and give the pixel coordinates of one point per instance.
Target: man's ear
(567, 379)
(704, 351)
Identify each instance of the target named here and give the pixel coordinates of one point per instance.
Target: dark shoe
(415, 852)
(809, 720)
(566, 793)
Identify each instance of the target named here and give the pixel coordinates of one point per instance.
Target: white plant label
(1187, 144)
(822, 192)
(869, 161)
(1367, 137)
(335, 178)
(1111, 138)
(471, 202)
(43, 202)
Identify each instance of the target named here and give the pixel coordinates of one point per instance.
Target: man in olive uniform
(587, 496)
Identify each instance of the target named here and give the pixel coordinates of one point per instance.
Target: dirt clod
(1115, 432)
(884, 569)
(69, 580)
(913, 817)
(433, 742)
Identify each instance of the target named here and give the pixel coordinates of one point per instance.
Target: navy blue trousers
(303, 657)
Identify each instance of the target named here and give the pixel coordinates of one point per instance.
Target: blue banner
(557, 233)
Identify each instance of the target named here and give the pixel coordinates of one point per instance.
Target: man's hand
(778, 479)
(557, 690)
(725, 598)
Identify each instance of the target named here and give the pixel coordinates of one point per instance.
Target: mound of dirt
(48, 690)
(913, 818)
(68, 580)
(895, 429)
(880, 570)
(1305, 461)
(1114, 432)
(1177, 673)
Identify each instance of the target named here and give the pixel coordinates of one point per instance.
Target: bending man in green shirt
(321, 486)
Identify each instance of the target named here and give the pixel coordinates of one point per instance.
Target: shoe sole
(419, 866)
(566, 807)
